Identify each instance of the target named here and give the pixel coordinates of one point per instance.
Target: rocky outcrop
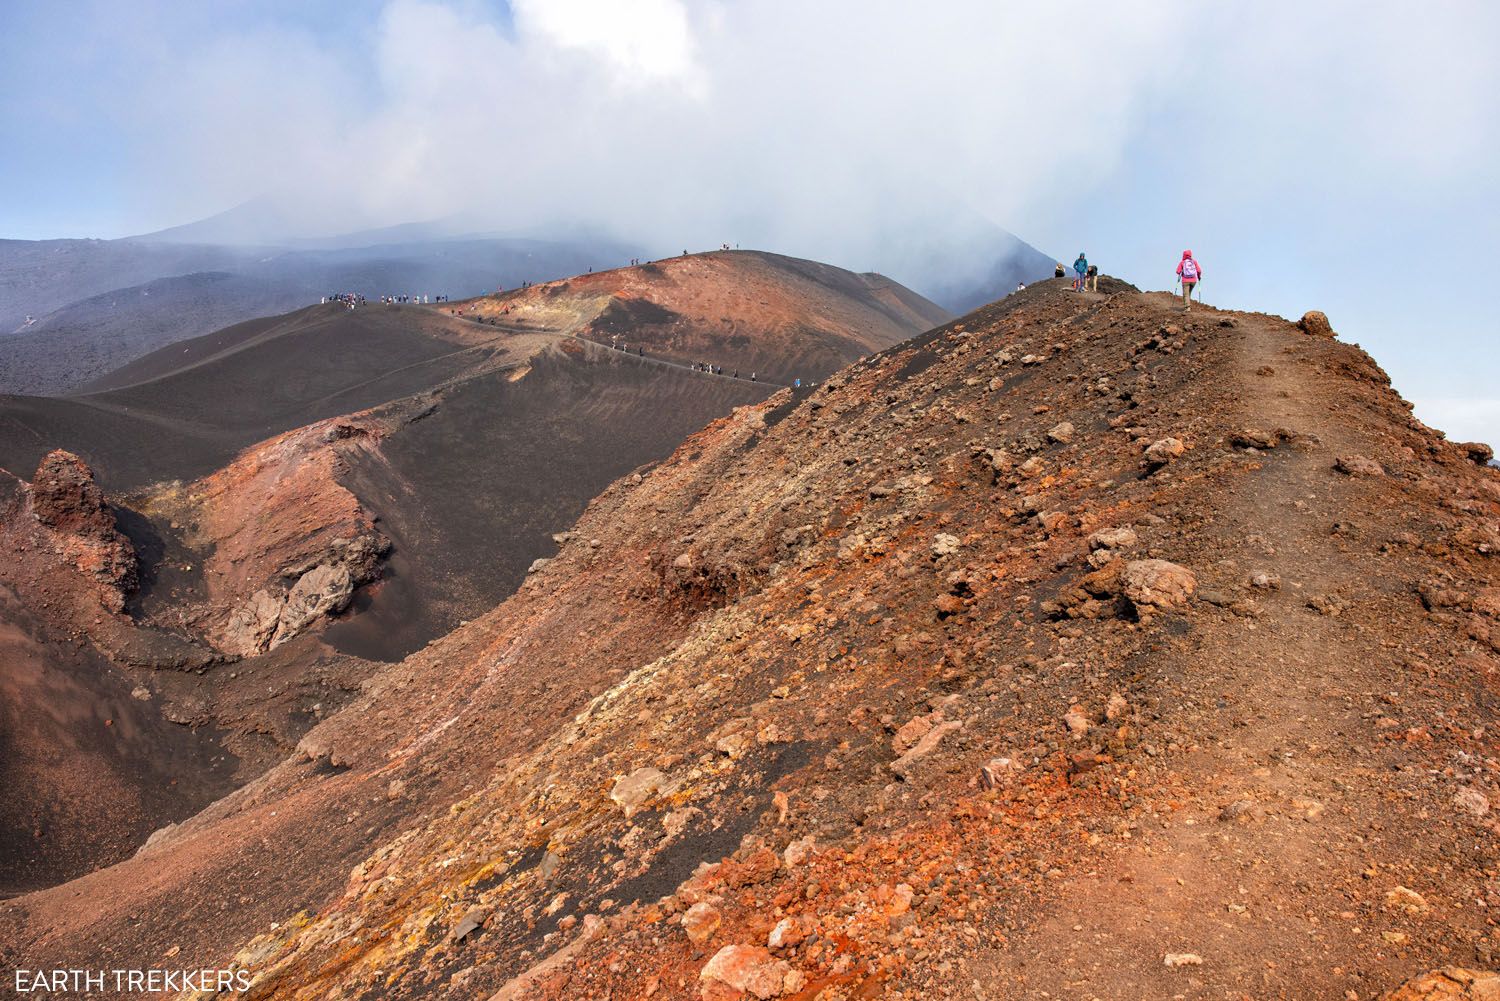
(285, 543)
(269, 619)
(252, 625)
(1478, 452)
(632, 791)
(1315, 323)
(67, 502)
(1452, 983)
(65, 498)
(323, 590)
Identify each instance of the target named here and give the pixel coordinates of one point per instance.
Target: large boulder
(633, 791)
(1478, 451)
(1121, 537)
(1315, 323)
(1160, 453)
(738, 970)
(252, 625)
(1157, 583)
(323, 590)
(1358, 465)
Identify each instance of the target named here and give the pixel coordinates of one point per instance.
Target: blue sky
(1340, 155)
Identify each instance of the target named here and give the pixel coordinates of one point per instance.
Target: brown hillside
(744, 311)
(1082, 648)
(292, 500)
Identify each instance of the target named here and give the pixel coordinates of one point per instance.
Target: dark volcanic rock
(65, 497)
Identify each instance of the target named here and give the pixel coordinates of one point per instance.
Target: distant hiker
(796, 383)
(1060, 271)
(1020, 286)
(1080, 267)
(1189, 272)
(752, 376)
(1091, 278)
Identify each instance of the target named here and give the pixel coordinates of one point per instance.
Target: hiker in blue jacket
(1081, 266)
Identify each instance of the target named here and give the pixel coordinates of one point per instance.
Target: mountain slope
(977, 263)
(747, 311)
(39, 276)
(299, 498)
(189, 408)
(489, 435)
(1016, 659)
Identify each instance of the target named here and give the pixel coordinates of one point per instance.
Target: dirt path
(566, 333)
(1254, 857)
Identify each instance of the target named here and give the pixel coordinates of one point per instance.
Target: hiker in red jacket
(1188, 271)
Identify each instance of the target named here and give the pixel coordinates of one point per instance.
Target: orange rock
(1451, 983)
(747, 970)
(701, 920)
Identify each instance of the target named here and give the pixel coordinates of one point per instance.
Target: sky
(1337, 155)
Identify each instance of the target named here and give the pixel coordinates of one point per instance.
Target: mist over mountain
(143, 292)
(182, 290)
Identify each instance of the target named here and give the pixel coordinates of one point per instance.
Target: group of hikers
(636, 262)
(352, 299)
(1086, 276)
(713, 369)
(397, 300)
(707, 368)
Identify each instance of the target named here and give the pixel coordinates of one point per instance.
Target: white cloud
(641, 41)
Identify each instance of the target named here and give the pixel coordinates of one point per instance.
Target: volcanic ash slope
(1080, 646)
